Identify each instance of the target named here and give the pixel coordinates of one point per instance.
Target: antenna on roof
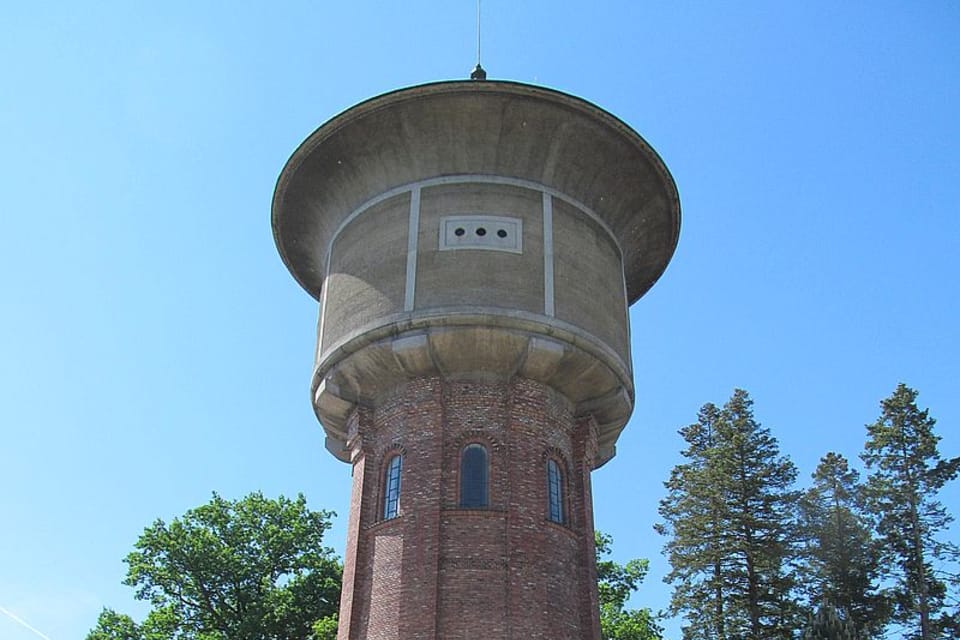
(478, 73)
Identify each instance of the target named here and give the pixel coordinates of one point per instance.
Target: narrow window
(473, 476)
(555, 491)
(391, 494)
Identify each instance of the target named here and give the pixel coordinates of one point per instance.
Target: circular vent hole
(459, 231)
(501, 233)
(481, 232)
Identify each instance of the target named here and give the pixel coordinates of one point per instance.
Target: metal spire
(478, 73)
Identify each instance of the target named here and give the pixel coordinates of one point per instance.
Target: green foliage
(906, 473)
(841, 558)
(325, 628)
(115, 626)
(615, 584)
(729, 518)
(827, 625)
(694, 516)
(251, 569)
(160, 624)
(255, 569)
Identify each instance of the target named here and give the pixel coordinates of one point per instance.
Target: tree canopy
(256, 569)
(729, 517)
(826, 624)
(250, 569)
(752, 558)
(749, 553)
(906, 471)
(841, 557)
(615, 584)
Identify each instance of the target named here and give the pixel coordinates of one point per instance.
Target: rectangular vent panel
(495, 233)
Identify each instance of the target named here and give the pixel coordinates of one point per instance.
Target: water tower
(474, 247)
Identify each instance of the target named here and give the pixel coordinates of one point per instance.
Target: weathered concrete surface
(489, 347)
(470, 127)
(358, 217)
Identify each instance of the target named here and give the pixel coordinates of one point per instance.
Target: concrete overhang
(477, 128)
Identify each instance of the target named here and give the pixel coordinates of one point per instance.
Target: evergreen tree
(762, 504)
(694, 519)
(906, 472)
(729, 514)
(842, 559)
(828, 625)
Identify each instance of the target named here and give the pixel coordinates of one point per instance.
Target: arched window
(555, 492)
(473, 476)
(391, 487)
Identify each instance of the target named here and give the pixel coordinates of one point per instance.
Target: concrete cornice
(374, 362)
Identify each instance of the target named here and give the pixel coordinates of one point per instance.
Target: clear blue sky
(155, 349)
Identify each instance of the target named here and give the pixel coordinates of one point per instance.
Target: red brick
(437, 571)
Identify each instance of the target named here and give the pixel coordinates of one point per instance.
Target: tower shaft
(497, 570)
(474, 247)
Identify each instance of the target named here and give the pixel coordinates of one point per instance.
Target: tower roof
(477, 127)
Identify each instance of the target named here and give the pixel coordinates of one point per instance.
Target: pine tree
(841, 557)
(762, 506)
(906, 473)
(828, 625)
(695, 519)
(729, 515)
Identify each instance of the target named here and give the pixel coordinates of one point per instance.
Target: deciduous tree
(615, 583)
(115, 626)
(251, 569)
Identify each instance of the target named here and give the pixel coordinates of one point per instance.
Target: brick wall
(437, 571)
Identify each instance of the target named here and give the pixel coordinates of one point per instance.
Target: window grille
(391, 494)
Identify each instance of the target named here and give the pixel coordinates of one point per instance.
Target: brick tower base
(436, 570)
